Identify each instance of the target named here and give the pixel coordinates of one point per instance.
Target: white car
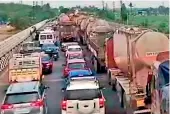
(83, 96)
(73, 49)
(64, 45)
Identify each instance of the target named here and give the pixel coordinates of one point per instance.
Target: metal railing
(12, 44)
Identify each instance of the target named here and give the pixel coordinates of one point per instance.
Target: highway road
(54, 94)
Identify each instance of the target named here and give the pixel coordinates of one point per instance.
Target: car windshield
(76, 65)
(78, 56)
(74, 49)
(83, 94)
(21, 98)
(45, 58)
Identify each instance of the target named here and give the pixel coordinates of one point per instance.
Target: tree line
(21, 16)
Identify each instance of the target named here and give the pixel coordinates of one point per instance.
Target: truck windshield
(42, 37)
(49, 36)
(67, 29)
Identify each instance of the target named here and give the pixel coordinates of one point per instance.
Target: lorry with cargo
(158, 85)
(25, 67)
(66, 29)
(129, 56)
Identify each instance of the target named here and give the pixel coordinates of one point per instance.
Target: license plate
(140, 103)
(21, 111)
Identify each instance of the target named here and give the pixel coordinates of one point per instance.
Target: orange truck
(66, 29)
(25, 67)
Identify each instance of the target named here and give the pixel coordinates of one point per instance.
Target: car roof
(82, 84)
(76, 61)
(75, 52)
(23, 87)
(74, 46)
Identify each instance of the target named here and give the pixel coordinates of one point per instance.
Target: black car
(52, 50)
(47, 64)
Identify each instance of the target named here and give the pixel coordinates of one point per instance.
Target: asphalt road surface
(54, 94)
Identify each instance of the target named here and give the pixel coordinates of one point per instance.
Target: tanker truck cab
(47, 37)
(158, 88)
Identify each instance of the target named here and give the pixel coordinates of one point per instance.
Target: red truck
(66, 29)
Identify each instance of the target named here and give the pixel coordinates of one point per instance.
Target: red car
(73, 64)
(74, 56)
(47, 63)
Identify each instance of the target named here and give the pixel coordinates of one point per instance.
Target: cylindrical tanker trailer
(129, 55)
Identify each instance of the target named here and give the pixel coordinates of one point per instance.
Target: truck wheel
(113, 84)
(109, 78)
(124, 102)
(95, 64)
(50, 71)
(99, 68)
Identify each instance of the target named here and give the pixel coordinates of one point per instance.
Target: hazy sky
(97, 3)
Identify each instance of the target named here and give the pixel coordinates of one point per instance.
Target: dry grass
(6, 32)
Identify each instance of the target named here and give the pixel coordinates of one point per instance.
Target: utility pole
(36, 4)
(103, 5)
(114, 6)
(33, 8)
(106, 6)
(41, 3)
(20, 1)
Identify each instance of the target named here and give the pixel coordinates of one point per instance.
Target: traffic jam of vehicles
(132, 60)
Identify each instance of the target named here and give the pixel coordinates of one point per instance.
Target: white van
(47, 37)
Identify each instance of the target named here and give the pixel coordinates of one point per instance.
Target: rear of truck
(25, 68)
(67, 31)
(96, 44)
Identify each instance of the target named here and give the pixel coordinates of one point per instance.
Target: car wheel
(55, 59)
(50, 70)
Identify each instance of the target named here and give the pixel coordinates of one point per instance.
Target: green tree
(64, 10)
(3, 16)
(124, 13)
(145, 23)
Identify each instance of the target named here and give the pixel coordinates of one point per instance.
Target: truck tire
(109, 78)
(95, 64)
(113, 84)
(123, 102)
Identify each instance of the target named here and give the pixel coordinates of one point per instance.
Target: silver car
(25, 98)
